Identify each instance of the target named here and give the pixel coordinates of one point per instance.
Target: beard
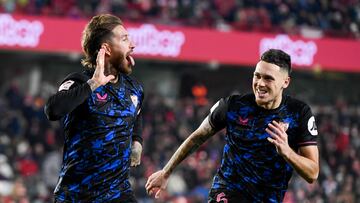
(121, 64)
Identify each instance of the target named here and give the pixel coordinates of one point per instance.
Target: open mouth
(261, 93)
(130, 60)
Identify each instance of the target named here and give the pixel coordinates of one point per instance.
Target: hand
(279, 138)
(157, 182)
(135, 158)
(99, 77)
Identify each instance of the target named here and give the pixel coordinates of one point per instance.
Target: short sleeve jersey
(250, 163)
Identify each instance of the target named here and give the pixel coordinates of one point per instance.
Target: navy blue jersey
(98, 136)
(250, 165)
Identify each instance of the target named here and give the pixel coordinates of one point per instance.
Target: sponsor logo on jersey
(243, 121)
(285, 125)
(101, 98)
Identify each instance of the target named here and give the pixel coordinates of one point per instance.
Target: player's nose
(132, 44)
(261, 82)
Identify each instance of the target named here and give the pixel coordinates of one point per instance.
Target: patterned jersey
(98, 137)
(250, 164)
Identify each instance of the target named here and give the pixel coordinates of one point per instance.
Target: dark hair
(279, 58)
(97, 31)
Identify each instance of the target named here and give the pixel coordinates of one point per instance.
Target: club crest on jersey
(134, 100)
(285, 125)
(101, 98)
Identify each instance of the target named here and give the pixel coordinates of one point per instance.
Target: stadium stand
(338, 18)
(30, 150)
(30, 146)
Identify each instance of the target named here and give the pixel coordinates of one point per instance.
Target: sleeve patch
(312, 126)
(66, 85)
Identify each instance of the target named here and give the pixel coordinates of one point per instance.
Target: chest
(114, 102)
(249, 123)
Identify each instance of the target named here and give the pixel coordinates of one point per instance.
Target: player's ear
(107, 48)
(286, 82)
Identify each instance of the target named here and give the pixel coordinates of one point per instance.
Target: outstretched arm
(191, 144)
(158, 181)
(306, 163)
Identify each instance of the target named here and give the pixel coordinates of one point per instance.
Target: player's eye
(268, 78)
(125, 38)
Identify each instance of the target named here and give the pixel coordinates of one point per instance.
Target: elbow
(313, 177)
(311, 180)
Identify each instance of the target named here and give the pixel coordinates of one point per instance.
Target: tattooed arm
(158, 181)
(190, 145)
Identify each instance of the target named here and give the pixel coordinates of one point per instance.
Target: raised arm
(158, 181)
(66, 99)
(76, 90)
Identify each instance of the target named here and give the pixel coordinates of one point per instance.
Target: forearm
(93, 84)
(64, 102)
(137, 131)
(191, 144)
(305, 167)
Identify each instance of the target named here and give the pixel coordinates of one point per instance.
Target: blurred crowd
(30, 151)
(316, 18)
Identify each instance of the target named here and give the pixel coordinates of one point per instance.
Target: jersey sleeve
(307, 130)
(137, 132)
(217, 116)
(73, 91)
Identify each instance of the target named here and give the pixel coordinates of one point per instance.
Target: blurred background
(189, 54)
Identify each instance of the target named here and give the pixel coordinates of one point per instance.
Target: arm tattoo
(190, 145)
(207, 132)
(93, 85)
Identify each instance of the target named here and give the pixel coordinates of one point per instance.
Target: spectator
(336, 18)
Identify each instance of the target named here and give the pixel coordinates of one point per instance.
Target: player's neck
(115, 79)
(110, 70)
(272, 104)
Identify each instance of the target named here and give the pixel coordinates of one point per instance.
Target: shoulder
(72, 80)
(244, 99)
(77, 76)
(134, 83)
(295, 104)
(234, 101)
